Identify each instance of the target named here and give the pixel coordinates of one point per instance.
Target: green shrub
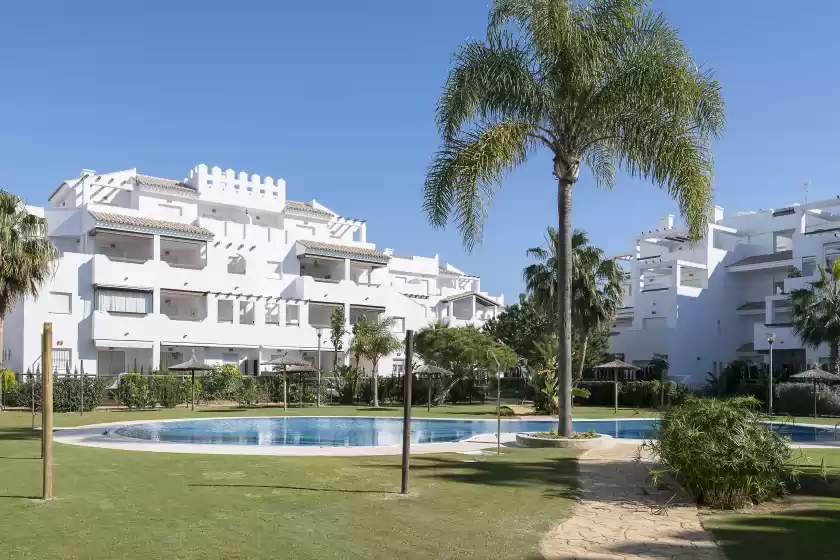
(66, 393)
(721, 452)
(165, 390)
(221, 383)
(250, 392)
(797, 399)
(579, 394)
(7, 380)
(635, 394)
(505, 411)
(133, 391)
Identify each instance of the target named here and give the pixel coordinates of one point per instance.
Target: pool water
(333, 431)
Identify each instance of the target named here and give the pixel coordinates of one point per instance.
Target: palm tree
(337, 331)
(816, 313)
(597, 284)
(379, 342)
(27, 257)
(606, 84)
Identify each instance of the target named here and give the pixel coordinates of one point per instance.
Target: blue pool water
(332, 431)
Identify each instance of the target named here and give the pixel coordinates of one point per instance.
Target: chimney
(666, 222)
(389, 252)
(717, 214)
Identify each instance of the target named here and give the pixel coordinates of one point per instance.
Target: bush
(635, 394)
(66, 393)
(133, 391)
(166, 390)
(721, 453)
(221, 383)
(249, 393)
(7, 380)
(505, 411)
(797, 399)
(579, 394)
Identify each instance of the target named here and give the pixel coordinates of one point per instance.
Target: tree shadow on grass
(19, 434)
(300, 488)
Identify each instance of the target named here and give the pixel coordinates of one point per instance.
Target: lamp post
(318, 392)
(771, 338)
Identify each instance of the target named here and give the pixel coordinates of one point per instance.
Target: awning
(309, 248)
(140, 224)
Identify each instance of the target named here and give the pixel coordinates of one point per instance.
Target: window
(272, 313)
(60, 302)
(62, 360)
(292, 314)
(398, 368)
(399, 325)
(275, 269)
(236, 264)
(110, 362)
(123, 301)
(225, 310)
(246, 313)
(654, 323)
(779, 287)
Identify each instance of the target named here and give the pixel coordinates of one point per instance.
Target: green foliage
(338, 322)
(221, 383)
(580, 394)
(721, 452)
(251, 392)
(520, 326)
(465, 351)
(345, 381)
(797, 399)
(133, 391)
(635, 394)
(7, 380)
(166, 390)
(505, 411)
(66, 394)
(816, 313)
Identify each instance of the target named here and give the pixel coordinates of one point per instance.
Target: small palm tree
(816, 313)
(337, 331)
(603, 83)
(597, 284)
(380, 342)
(27, 257)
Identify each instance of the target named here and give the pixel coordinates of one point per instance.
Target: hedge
(634, 394)
(66, 394)
(797, 399)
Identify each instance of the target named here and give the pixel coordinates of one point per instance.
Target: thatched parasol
(192, 365)
(290, 365)
(616, 366)
(816, 374)
(429, 371)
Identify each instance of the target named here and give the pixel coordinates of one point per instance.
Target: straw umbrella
(192, 365)
(429, 371)
(816, 374)
(289, 365)
(615, 366)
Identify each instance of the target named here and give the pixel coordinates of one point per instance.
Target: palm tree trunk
(583, 356)
(834, 351)
(2, 347)
(564, 316)
(376, 384)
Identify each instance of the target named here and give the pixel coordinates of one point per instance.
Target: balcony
(779, 259)
(338, 291)
(110, 272)
(785, 338)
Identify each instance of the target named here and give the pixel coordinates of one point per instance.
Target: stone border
(603, 441)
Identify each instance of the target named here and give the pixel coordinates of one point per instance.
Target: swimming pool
(367, 431)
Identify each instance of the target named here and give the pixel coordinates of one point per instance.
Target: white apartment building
(716, 301)
(223, 265)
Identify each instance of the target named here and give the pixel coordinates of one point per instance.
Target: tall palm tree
(597, 284)
(606, 84)
(816, 313)
(27, 257)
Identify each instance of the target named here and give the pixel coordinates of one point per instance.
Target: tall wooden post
(406, 448)
(47, 409)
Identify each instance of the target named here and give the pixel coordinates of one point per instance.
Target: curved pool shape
(364, 431)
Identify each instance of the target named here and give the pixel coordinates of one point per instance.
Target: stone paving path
(620, 516)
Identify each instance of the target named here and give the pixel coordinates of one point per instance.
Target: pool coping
(92, 435)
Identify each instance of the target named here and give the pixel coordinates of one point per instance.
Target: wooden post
(815, 397)
(429, 383)
(406, 448)
(615, 388)
(82, 381)
(192, 394)
(47, 410)
(285, 391)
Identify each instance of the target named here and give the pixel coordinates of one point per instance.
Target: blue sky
(338, 98)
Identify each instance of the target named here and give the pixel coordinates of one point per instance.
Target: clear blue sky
(338, 98)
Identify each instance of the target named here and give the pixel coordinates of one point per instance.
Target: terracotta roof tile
(304, 208)
(141, 222)
(160, 183)
(318, 248)
(762, 259)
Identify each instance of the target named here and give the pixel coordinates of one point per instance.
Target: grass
(805, 525)
(121, 504)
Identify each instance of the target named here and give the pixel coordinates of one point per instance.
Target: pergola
(192, 365)
(816, 374)
(286, 366)
(429, 372)
(616, 366)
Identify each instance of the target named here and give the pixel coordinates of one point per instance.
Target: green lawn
(805, 526)
(120, 504)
